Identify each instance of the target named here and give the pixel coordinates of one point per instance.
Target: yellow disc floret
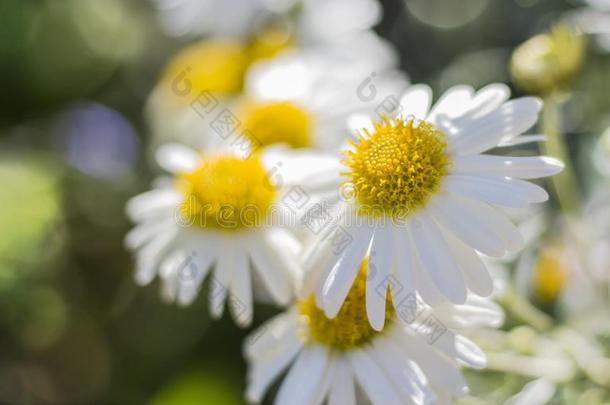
(350, 328)
(397, 167)
(274, 122)
(550, 274)
(214, 66)
(226, 192)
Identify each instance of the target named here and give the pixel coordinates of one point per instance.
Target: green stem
(564, 183)
(523, 310)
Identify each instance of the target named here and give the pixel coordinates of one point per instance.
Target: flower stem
(564, 183)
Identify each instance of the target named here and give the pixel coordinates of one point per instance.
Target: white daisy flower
(304, 93)
(219, 215)
(426, 198)
(317, 20)
(343, 360)
(303, 97)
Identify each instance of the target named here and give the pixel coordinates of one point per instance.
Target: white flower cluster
(391, 200)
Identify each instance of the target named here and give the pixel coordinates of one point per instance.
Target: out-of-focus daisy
(342, 359)
(300, 97)
(310, 20)
(548, 61)
(303, 98)
(216, 216)
(594, 19)
(198, 83)
(426, 198)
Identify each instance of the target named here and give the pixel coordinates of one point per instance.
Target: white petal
(342, 391)
(452, 103)
(241, 289)
(372, 379)
(287, 167)
(437, 368)
(399, 371)
(177, 158)
(531, 167)
(436, 259)
(486, 100)
(454, 215)
(503, 191)
(379, 269)
(521, 140)
(268, 336)
(219, 285)
(265, 373)
(360, 124)
(341, 276)
(460, 348)
(477, 277)
(416, 101)
(273, 274)
(145, 232)
(203, 259)
(304, 377)
(152, 203)
(148, 258)
(510, 120)
(403, 282)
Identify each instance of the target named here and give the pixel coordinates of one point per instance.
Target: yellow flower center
(350, 328)
(227, 193)
(550, 275)
(395, 169)
(214, 66)
(277, 122)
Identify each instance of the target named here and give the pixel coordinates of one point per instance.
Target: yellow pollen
(350, 328)
(275, 122)
(226, 193)
(397, 167)
(215, 66)
(550, 274)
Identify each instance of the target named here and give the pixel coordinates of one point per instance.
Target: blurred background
(75, 76)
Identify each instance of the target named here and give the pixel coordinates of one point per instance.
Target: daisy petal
(416, 101)
(452, 103)
(177, 158)
(477, 277)
(273, 275)
(454, 215)
(341, 276)
(520, 167)
(495, 189)
(152, 203)
(241, 289)
(304, 377)
(219, 285)
(372, 379)
(342, 391)
(403, 283)
(380, 263)
(510, 120)
(436, 259)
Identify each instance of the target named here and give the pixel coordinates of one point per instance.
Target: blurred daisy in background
(303, 98)
(308, 20)
(217, 215)
(594, 19)
(426, 198)
(282, 94)
(343, 360)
